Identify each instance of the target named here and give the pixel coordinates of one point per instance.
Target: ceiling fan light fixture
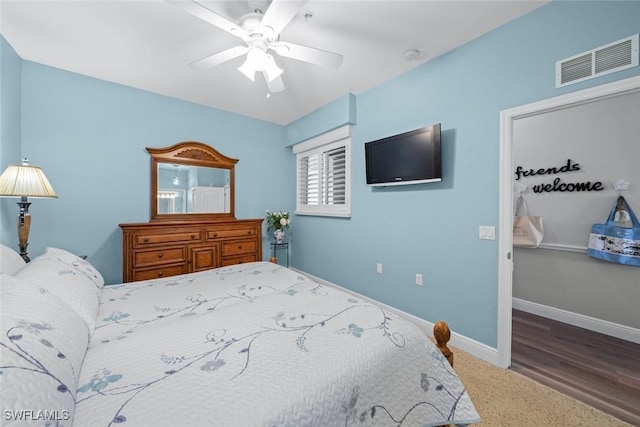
(271, 69)
(256, 60)
(176, 176)
(259, 60)
(248, 70)
(260, 30)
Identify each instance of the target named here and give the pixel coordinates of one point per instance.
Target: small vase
(279, 235)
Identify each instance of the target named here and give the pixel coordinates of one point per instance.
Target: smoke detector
(413, 55)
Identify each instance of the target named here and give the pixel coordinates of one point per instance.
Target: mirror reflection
(192, 189)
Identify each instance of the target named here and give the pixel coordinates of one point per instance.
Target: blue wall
(335, 114)
(10, 84)
(89, 137)
(432, 229)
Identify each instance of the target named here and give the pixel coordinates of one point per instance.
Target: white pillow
(68, 277)
(43, 343)
(71, 258)
(10, 260)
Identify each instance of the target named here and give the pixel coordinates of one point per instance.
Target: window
(323, 174)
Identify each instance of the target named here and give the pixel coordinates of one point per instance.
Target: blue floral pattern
(99, 381)
(258, 344)
(42, 345)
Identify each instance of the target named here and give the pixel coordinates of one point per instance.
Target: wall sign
(590, 144)
(558, 184)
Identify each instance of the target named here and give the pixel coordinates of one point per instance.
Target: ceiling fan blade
(207, 15)
(219, 58)
(308, 54)
(280, 13)
(275, 85)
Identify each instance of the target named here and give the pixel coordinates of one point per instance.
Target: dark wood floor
(597, 369)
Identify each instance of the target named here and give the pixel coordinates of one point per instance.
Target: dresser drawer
(158, 273)
(234, 232)
(158, 256)
(238, 259)
(167, 248)
(203, 257)
(150, 239)
(238, 247)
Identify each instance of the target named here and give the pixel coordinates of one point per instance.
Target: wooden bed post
(442, 334)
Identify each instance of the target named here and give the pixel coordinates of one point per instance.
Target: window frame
(323, 144)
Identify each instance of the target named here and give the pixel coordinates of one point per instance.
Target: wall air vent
(616, 56)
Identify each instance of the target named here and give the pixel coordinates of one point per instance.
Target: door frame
(506, 189)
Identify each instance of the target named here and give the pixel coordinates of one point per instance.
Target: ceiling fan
(260, 32)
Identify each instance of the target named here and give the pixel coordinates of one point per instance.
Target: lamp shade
(25, 181)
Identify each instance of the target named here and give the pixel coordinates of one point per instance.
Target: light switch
(487, 232)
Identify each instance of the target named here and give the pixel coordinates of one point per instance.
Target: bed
(255, 344)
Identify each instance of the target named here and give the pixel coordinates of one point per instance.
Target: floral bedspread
(259, 345)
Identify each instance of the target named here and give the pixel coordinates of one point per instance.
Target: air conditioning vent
(612, 57)
(576, 68)
(616, 56)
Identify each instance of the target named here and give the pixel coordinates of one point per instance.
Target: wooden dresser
(167, 248)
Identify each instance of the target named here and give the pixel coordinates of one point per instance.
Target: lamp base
(24, 225)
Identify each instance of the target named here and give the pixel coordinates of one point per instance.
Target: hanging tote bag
(527, 229)
(611, 242)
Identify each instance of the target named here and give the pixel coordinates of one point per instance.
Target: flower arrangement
(277, 220)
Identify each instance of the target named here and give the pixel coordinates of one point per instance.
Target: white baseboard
(471, 346)
(602, 326)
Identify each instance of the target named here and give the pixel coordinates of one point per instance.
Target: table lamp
(25, 181)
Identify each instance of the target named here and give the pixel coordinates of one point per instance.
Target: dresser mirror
(191, 181)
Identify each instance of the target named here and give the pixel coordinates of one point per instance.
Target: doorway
(505, 245)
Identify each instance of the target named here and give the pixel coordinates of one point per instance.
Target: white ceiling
(148, 44)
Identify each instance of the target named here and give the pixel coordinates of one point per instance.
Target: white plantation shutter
(324, 174)
(309, 179)
(335, 168)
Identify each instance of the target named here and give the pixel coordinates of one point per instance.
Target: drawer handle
(239, 246)
(160, 274)
(146, 240)
(160, 255)
(249, 232)
(215, 234)
(193, 236)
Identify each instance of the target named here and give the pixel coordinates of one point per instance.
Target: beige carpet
(506, 398)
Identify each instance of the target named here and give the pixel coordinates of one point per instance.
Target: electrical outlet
(418, 279)
(379, 268)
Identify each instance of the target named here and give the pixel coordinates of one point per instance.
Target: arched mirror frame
(191, 153)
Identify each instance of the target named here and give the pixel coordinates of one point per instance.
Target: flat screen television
(408, 158)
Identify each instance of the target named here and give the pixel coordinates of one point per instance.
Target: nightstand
(275, 247)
